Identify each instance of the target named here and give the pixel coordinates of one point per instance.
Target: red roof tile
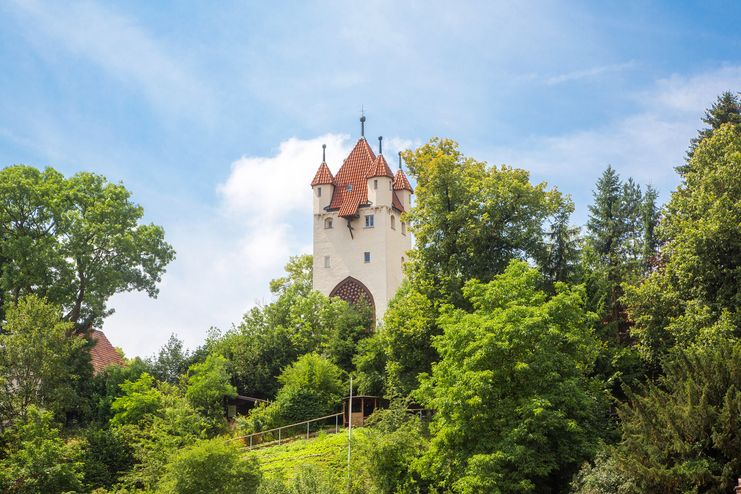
(396, 203)
(102, 353)
(323, 176)
(401, 182)
(351, 183)
(380, 168)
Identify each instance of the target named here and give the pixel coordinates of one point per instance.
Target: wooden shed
(362, 407)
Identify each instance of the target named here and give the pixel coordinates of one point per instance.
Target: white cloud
(227, 256)
(589, 73)
(265, 189)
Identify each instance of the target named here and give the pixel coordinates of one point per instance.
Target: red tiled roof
(102, 353)
(323, 176)
(401, 182)
(396, 203)
(351, 183)
(380, 168)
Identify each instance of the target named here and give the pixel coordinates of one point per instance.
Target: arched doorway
(353, 291)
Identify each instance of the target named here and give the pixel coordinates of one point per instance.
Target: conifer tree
(682, 433)
(649, 221)
(726, 109)
(562, 246)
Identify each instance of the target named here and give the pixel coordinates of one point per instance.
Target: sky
(213, 113)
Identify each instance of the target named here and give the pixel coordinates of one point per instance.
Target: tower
(360, 240)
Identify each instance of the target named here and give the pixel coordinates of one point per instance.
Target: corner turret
(322, 185)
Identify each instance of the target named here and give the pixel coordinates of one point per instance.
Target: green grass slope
(328, 452)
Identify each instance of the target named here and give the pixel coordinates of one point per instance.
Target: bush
(212, 465)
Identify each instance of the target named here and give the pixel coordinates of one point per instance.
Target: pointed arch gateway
(353, 291)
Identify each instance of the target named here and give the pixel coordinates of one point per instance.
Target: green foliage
(140, 400)
(408, 329)
(698, 282)
(471, 219)
(156, 421)
(309, 479)
(213, 465)
(75, 241)
(515, 408)
(36, 459)
(562, 249)
(394, 440)
(725, 110)
(207, 384)
(106, 456)
(299, 321)
(603, 477)
(106, 386)
(171, 362)
(36, 360)
(683, 433)
(311, 387)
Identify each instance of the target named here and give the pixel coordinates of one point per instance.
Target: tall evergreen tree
(726, 109)
(632, 240)
(562, 246)
(604, 227)
(649, 221)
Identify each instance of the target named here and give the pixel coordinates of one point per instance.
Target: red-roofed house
(360, 241)
(103, 353)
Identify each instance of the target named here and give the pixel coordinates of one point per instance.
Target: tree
(562, 246)
(207, 384)
(300, 320)
(311, 387)
(171, 362)
(408, 329)
(682, 433)
(75, 241)
(515, 408)
(697, 283)
(725, 110)
(36, 459)
(649, 221)
(213, 465)
(471, 219)
(156, 421)
(388, 448)
(36, 360)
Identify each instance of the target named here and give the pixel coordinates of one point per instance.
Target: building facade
(360, 240)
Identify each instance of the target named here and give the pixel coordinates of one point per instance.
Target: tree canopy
(76, 241)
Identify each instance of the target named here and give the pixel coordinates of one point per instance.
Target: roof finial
(324, 153)
(380, 144)
(401, 168)
(362, 126)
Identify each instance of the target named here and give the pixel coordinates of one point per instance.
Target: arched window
(328, 223)
(403, 228)
(393, 222)
(319, 192)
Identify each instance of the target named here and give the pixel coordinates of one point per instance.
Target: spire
(362, 122)
(324, 153)
(380, 144)
(400, 164)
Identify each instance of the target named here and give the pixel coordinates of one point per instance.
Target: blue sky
(214, 116)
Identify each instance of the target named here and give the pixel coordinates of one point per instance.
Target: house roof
(323, 176)
(401, 182)
(103, 353)
(351, 181)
